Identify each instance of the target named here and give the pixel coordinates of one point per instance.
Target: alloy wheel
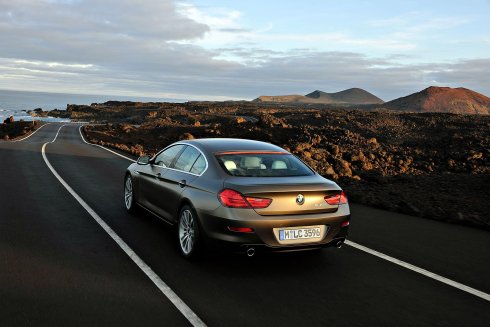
(187, 231)
(128, 193)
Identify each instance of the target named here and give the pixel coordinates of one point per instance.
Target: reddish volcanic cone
(443, 99)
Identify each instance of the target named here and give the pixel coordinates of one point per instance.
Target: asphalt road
(58, 267)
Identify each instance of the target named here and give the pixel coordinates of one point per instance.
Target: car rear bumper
(216, 225)
(262, 248)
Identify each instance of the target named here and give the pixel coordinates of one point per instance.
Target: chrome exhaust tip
(250, 252)
(339, 244)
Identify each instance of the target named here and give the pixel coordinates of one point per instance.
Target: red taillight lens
(259, 203)
(336, 199)
(233, 199)
(343, 198)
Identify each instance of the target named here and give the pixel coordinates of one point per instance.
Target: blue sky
(215, 50)
(421, 30)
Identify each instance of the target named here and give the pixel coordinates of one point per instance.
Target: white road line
(162, 286)
(422, 271)
(100, 146)
(25, 138)
(56, 136)
(404, 264)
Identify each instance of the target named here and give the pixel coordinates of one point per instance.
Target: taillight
(336, 199)
(233, 199)
(343, 198)
(258, 203)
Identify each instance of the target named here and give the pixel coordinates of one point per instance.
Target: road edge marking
(419, 270)
(25, 138)
(100, 146)
(48, 123)
(159, 283)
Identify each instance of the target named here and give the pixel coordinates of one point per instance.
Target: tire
(129, 201)
(188, 233)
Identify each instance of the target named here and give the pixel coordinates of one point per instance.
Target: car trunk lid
(297, 195)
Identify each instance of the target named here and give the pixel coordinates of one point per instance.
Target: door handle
(182, 183)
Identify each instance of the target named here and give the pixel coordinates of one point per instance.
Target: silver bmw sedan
(241, 194)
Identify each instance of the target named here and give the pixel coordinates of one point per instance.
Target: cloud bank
(151, 49)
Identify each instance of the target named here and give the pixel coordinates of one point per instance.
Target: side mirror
(144, 160)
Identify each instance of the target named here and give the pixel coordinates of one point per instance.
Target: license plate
(300, 233)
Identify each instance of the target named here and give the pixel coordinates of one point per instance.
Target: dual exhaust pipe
(251, 251)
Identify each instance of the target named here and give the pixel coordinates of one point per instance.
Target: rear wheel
(129, 202)
(188, 233)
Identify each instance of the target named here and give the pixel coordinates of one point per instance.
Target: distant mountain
(294, 98)
(443, 99)
(347, 97)
(351, 96)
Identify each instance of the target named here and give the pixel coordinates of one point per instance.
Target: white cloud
(224, 25)
(222, 18)
(53, 64)
(167, 50)
(226, 30)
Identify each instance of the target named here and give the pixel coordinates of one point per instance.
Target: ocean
(16, 103)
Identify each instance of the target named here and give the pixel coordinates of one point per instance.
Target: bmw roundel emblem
(300, 199)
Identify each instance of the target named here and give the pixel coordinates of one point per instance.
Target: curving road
(60, 267)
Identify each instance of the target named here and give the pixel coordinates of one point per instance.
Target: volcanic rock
(438, 163)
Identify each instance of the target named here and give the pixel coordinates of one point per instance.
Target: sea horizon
(16, 103)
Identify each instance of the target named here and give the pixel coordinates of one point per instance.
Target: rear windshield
(263, 165)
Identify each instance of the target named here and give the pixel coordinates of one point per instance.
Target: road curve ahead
(60, 266)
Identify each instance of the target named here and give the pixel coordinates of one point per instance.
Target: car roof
(214, 145)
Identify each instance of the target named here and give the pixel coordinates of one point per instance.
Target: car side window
(166, 157)
(187, 159)
(199, 165)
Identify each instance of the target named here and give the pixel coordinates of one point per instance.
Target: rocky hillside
(443, 99)
(382, 159)
(353, 96)
(350, 96)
